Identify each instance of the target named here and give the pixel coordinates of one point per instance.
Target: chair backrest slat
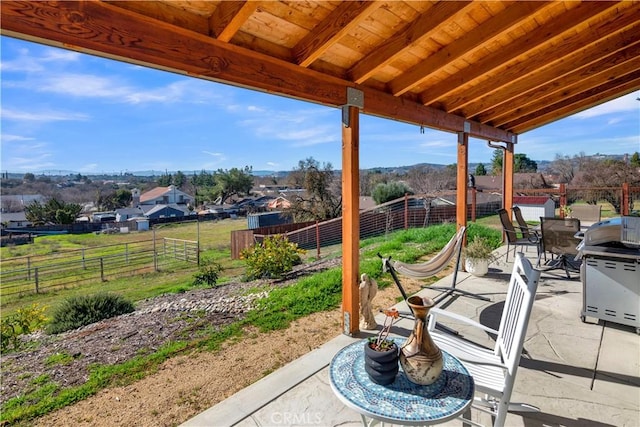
(517, 309)
(507, 225)
(524, 227)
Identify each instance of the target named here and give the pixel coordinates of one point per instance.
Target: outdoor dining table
(401, 402)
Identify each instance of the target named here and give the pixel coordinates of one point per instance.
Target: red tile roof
(530, 200)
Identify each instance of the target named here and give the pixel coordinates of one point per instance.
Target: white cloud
(42, 116)
(218, 155)
(28, 158)
(25, 62)
(84, 86)
(89, 167)
(624, 104)
(111, 87)
(11, 138)
(301, 128)
(60, 55)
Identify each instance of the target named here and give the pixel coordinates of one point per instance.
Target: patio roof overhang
(485, 69)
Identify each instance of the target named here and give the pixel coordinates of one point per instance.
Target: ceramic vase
(381, 366)
(420, 358)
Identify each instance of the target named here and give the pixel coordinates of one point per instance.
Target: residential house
(278, 203)
(125, 214)
(12, 209)
(165, 211)
(162, 196)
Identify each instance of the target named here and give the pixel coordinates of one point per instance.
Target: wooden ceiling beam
(165, 12)
(607, 69)
(606, 51)
(339, 22)
(545, 33)
(489, 30)
(109, 31)
(419, 29)
(229, 17)
(572, 105)
(525, 71)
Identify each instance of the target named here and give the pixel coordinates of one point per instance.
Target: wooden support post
(563, 198)
(507, 185)
(626, 204)
(350, 219)
(462, 179)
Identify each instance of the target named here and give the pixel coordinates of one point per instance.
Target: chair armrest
(436, 312)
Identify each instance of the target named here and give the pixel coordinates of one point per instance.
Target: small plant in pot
(478, 255)
(565, 211)
(381, 352)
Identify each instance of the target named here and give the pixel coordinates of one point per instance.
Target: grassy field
(214, 239)
(318, 292)
(214, 243)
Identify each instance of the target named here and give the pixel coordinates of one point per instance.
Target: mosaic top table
(401, 402)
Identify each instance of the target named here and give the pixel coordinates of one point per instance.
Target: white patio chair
(494, 370)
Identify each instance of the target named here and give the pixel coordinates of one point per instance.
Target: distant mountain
(542, 165)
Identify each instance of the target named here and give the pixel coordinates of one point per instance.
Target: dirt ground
(185, 385)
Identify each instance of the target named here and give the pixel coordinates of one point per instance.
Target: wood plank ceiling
(494, 69)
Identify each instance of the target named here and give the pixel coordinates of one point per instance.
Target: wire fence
(408, 212)
(41, 273)
(438, 208)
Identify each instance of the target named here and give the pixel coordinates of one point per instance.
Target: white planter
(477, 267)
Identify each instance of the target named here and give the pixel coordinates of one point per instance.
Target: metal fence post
(318, 238)
(37, 283)
(406, 211)
(84, 265)
(28, 268)
(101, 269)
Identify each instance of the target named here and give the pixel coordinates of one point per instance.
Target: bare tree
(605, 174)
(425, 179)
(323, 191)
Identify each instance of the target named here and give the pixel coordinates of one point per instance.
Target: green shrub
(207, 274)
(271, 259)
(79, 311)
(23, 321)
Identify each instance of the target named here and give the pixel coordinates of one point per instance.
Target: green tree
(522, 163)
(480, 170)
(179, 179)
(53, 211)
(233, 182)
(385, 192)
(496, 162)
(164, 180)
(29, 177)
(635, 159)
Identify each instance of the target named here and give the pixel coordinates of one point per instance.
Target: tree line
(320, 197)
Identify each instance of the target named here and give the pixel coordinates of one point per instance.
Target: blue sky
(66, 111)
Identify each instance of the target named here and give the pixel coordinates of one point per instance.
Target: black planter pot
(381, 366)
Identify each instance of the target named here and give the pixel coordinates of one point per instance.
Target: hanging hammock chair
(432, 267)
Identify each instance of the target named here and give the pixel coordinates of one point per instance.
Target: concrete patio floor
(578, 374)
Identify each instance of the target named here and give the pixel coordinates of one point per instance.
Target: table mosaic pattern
(402, 401)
